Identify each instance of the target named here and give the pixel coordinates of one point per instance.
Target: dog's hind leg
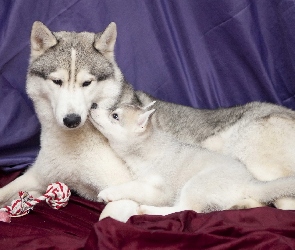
(29, 182)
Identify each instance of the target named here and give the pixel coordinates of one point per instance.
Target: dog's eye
(115, 116)
(57, 82)
(87, 83)
(102, 78)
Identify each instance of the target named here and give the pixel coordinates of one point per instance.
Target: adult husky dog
(69, 71)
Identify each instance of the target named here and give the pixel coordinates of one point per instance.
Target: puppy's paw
(108, 195)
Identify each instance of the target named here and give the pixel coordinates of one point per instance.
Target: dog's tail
(269, 191)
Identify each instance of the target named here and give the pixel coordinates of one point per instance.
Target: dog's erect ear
(41, 39)
(143, 120)
(105, 41)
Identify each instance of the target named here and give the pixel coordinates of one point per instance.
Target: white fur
(73, 65)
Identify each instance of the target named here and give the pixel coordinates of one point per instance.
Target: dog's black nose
(72, 120)
(94, 105)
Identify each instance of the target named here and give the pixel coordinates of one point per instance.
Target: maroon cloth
(76, 227)
(47, 228)
(259, 228)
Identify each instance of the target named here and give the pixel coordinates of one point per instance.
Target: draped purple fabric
(200, 53)
(205, 54)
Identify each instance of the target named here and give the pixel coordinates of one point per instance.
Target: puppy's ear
(105, 41)
(143, 120)
(149, 105)
(41, 39)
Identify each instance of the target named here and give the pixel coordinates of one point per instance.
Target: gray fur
(59, 56)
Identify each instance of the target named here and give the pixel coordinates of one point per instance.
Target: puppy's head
(122, 124)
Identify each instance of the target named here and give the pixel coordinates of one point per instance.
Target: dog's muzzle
(72, 120)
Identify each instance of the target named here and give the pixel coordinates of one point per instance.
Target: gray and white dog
(67, 73)
(172, 176)
(70, 71)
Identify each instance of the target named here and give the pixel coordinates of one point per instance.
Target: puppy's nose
(72, 120)
(94, 105)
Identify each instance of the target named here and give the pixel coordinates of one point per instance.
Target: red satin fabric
(76, 227)
(260, 228)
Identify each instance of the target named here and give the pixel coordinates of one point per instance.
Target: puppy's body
(168, 172)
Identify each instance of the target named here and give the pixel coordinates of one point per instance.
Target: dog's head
(70, 71)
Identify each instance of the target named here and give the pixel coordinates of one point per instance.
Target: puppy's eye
(87, 83)
(57, 82)
(115, 116)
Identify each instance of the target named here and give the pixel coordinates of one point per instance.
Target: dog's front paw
(108, 195)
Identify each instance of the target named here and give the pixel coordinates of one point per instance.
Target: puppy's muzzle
(72, 120)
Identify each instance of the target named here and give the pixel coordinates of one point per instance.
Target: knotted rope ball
(57, 196)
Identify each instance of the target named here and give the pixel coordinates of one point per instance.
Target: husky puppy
(166, 169)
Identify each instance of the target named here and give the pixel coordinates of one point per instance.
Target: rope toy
(57, 196)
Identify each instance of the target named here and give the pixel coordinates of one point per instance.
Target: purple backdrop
(201, 53)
